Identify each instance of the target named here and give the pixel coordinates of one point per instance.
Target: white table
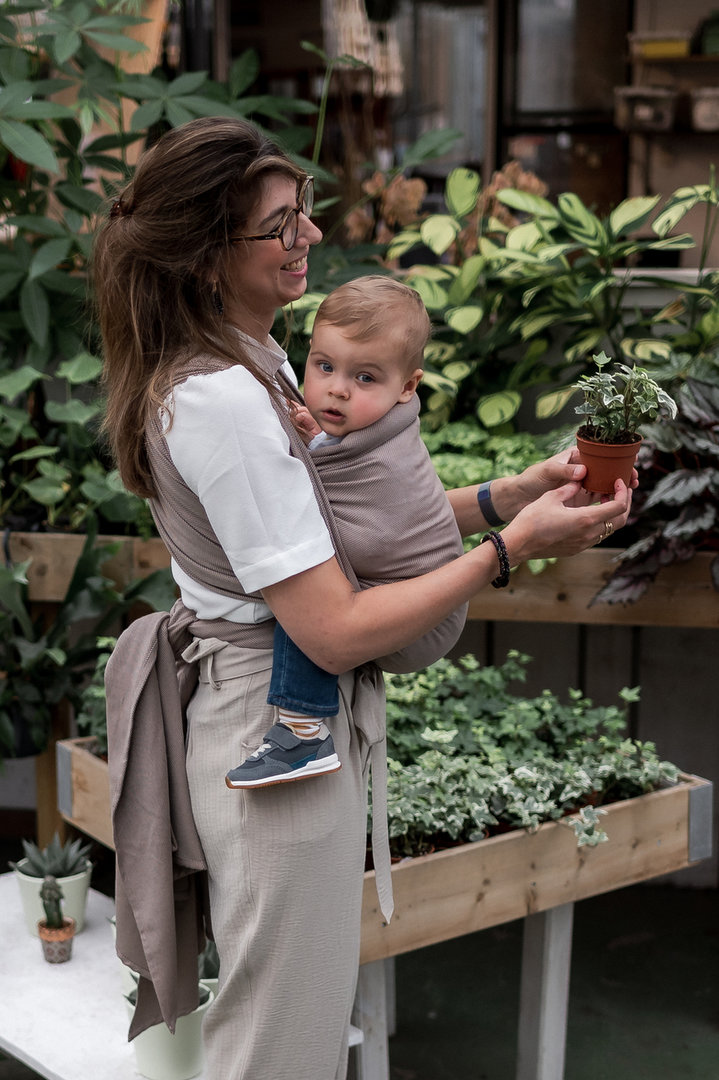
(66, 1021)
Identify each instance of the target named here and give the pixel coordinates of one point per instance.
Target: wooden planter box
(475, 886)
(83, 789)
(468, 888)
(54, 556)
(681, 595)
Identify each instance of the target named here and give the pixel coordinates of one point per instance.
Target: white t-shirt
(228, 445)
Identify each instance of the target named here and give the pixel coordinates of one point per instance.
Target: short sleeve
(228, 445)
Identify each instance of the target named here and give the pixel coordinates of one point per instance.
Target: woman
(208, 241)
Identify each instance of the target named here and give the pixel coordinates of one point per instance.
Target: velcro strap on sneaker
(282, 736)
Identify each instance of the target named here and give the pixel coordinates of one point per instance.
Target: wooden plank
(84, 789)
(506, 877)
(54, 557)
(681, 595)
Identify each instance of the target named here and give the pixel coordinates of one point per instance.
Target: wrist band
(503, 578)
(486, 505)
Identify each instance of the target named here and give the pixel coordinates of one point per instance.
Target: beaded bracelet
(503, 578)
(484, 499)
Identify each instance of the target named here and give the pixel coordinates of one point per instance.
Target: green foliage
(91, 718)
(469, 756)
(58, 860)
(617, 402)
(56, 171)
(44, 662)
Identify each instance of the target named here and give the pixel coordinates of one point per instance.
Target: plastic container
(705, 108)
(644, 108)
(659, 44)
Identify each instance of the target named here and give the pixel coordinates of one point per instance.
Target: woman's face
(264, 276)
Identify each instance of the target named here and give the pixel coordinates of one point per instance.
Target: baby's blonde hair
(372, 305)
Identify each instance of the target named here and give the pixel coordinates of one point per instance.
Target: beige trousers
(285, 873)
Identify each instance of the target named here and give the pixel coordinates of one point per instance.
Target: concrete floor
(644, 998)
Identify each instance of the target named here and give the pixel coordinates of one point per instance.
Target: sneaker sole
(307, 772)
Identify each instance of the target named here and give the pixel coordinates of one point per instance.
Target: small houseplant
(615, 404)
(68, 864)
(56, 930)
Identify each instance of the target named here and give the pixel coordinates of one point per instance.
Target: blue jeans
(297, 683)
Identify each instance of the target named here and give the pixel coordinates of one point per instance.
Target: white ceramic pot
(160, 1055)
(74, 891)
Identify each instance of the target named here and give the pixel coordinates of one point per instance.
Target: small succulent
(616, 403)
(57, 860)
(52, 896)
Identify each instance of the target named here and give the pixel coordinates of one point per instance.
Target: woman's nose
(308, 230)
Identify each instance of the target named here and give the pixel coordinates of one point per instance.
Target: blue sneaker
(283, 757)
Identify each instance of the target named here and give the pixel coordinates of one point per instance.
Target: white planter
(74, 890)
(160, 1055)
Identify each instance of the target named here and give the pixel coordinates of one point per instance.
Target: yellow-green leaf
(438, 232)
(552, 403)
(496, 409)
(461, 191)
(464, 319)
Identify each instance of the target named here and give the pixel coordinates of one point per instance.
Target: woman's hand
(566, 520)
(512, 494)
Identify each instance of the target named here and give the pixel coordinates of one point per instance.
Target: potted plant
(68, 864)
(56, 930)
(162, 1055)
(615, 404)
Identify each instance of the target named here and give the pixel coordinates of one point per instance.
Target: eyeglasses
(286, 231)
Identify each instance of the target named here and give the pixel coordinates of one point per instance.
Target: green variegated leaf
(584, 345)
(533, 323)
(458, 370)
(645, 349)
(467, 279)
(673, 243)
(631, 214)
(401, 243)
(439, 232)
(552, 403)
(461, 191)
(527, 203)
(581, 222)
(522, 237)
(433, 295)
(679, 203)
(496, 409)
(464, 319)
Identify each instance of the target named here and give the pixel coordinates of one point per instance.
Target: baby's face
(352, 384)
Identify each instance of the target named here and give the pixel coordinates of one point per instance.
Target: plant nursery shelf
(682, 595)
(472, 887)
(54, 556)
(475, 886)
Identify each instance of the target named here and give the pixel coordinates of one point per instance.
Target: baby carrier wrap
(161, 898)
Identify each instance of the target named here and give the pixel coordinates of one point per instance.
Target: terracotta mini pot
(607, 462)
(57, 943)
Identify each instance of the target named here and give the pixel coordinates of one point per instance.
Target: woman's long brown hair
(156, 258)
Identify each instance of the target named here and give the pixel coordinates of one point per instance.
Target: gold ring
(609, 526)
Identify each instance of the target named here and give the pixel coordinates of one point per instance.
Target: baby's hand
(304, 423)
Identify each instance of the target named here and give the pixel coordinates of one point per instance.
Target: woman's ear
(411, 385)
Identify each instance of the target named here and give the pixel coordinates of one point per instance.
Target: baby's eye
(363, 378)
(325, 366)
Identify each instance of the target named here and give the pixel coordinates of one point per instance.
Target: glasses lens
(308, 197)
(288, 232)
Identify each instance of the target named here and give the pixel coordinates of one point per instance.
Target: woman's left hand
(553, 473)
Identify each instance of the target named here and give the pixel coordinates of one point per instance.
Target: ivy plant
(469, 756)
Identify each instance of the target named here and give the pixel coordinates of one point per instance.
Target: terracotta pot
(57, 943)
(607, 462)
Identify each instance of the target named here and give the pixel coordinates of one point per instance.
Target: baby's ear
(411, 385)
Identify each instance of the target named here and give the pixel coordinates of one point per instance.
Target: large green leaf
(631, 214)
(81, 368)
(679, 203)
(65, 44)
(461, 191)
(496, 409)
(432, 144)
(17, 382)
(71, 412)
(581, 222)
(35, 311)
(439, 232)
(464, 319)
(527, 203)
(28, 145)
(432, 293)
(552, 403)
(467, 280)
(243, 72)
(48, 256)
